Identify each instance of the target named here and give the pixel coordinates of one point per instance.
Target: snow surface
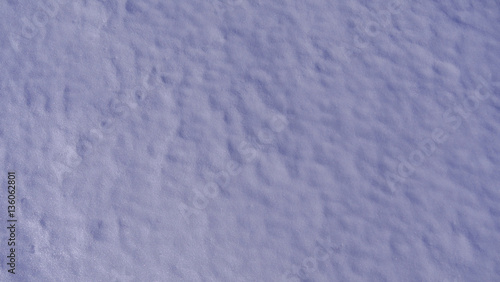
(251, 140)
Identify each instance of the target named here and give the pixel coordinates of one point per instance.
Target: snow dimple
(132, 7)
(98, 230)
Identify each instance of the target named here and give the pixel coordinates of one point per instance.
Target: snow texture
(251, 140)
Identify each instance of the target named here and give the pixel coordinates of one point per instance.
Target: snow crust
(251, 140)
